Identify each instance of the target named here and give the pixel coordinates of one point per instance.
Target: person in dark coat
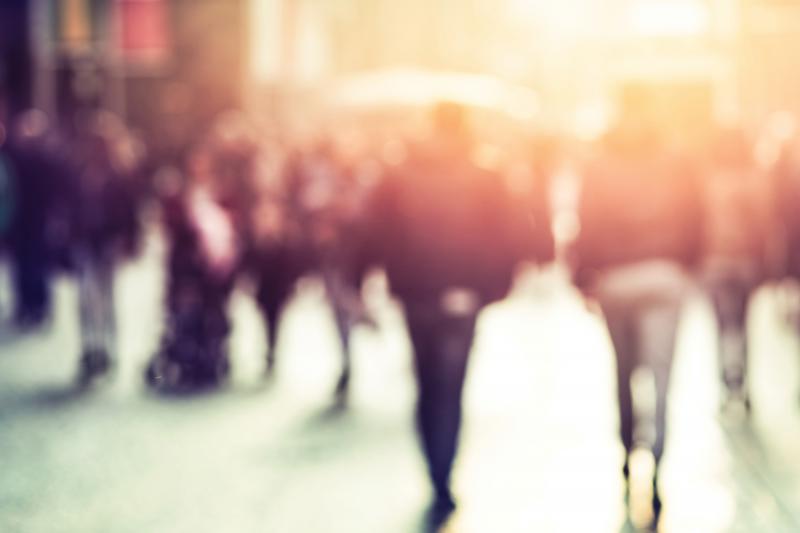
(204, 219)
(278, 253)
(8, 193)
(641, 220)
(105, 230)
(450, 236)
(739, 252)
(44, 179)
(305, 223)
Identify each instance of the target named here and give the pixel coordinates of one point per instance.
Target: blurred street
(355, 266)
(539, 451)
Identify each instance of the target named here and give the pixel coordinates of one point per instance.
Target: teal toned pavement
(539, 449)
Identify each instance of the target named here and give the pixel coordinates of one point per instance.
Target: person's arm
(371, 235)
(581, 257)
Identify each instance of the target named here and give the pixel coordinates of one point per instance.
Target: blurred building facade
(699, 59)
(767, 58)
(167, 66)
(16, 68)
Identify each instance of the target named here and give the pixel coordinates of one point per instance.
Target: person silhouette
(641, 219)
(449, 235)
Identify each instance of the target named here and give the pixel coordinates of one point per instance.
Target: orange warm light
(74, 23)
(561, 65)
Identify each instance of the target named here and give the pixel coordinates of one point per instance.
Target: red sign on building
(144, 30)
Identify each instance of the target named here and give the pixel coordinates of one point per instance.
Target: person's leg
(272, 299)
(31, 284)
(86, 310)
(93, 281)
(730, 301)
(343, 324)
(340, 296)
(105, 275)
(623, 338)
(658, 329)
(220, 325)
(441, 350)
(271, 312)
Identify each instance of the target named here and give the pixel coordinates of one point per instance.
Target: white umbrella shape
(405, 87)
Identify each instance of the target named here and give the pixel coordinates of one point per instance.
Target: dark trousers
(730, 295)
(96, 302)
(31, 273)
(642, 336)
(441, 344)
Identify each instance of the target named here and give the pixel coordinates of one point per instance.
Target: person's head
(634, 131)
(449, 121)
(225, 158)
(105, 141)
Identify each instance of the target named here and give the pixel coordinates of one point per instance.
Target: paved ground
(539, 449)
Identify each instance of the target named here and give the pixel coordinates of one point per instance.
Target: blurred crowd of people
(449, 225)
(70, 203)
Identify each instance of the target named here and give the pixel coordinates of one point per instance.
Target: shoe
(342, 389)
(626, 476)
(95, 363)
(27, 320)
(443, 501)
(656, 508)
(440, 510)
(736, 401)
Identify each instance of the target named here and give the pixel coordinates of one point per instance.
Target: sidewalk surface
(539, 449)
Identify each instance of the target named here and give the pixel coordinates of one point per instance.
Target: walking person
(204, 218)
(37, 159)
(105, 231)
(449, 235)
(641, 216)
(738, 251)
